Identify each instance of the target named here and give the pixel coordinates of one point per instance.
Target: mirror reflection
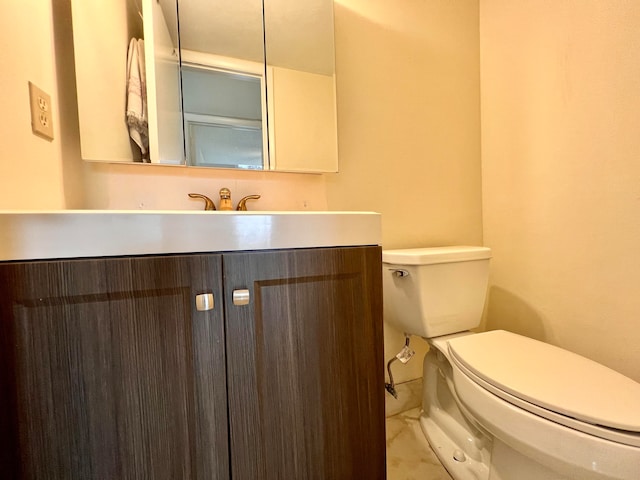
(223, 130)
(299, 48)
(211, 93)
(128, 81)
(222, 54)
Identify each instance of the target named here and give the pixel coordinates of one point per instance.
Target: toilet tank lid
(552, 378)
(430, 255)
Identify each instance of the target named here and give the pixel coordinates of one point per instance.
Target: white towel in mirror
(136, 113)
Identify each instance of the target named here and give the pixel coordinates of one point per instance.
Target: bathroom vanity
(259, 362)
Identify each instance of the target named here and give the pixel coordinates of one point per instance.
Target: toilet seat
(552, 383)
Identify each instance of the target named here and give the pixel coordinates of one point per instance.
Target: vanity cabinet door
(305, 364)
(108, 371)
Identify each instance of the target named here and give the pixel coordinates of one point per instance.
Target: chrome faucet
(225, 201)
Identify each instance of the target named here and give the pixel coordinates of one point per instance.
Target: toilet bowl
(500, 406)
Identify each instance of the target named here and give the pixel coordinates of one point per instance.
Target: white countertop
(31, 235)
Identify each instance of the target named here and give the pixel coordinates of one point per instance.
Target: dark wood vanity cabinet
(305, 365)
(109, 371)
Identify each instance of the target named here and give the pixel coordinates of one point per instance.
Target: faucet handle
(242, 204)
(208, 203)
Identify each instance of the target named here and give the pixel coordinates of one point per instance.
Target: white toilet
(500, 406)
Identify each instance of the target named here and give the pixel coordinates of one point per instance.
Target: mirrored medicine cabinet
(227, 84)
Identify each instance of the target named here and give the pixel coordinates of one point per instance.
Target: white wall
(561, 173)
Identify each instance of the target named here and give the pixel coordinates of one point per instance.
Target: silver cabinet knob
(241, 297)
(204, 302)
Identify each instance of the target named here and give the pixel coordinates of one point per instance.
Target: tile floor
(409, 456)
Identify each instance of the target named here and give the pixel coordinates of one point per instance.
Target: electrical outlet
(41, 115)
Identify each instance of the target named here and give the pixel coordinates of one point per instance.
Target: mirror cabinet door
(301, 93)
(222, 56)
(128, 80)
(209, 91)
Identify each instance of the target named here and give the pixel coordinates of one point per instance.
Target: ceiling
(299, 33)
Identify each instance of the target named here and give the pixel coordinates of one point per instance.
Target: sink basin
(28, 235)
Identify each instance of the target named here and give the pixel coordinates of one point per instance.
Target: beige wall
(561, 173)
(409, 126)
(30, 166)
(166, 188)
(409, 118)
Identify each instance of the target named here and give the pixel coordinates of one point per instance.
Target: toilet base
(459, 465)
(461, 447)
(505, 461)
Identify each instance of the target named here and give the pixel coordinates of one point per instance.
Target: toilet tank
(435, 291)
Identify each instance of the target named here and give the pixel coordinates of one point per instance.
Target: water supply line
(404, 356)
